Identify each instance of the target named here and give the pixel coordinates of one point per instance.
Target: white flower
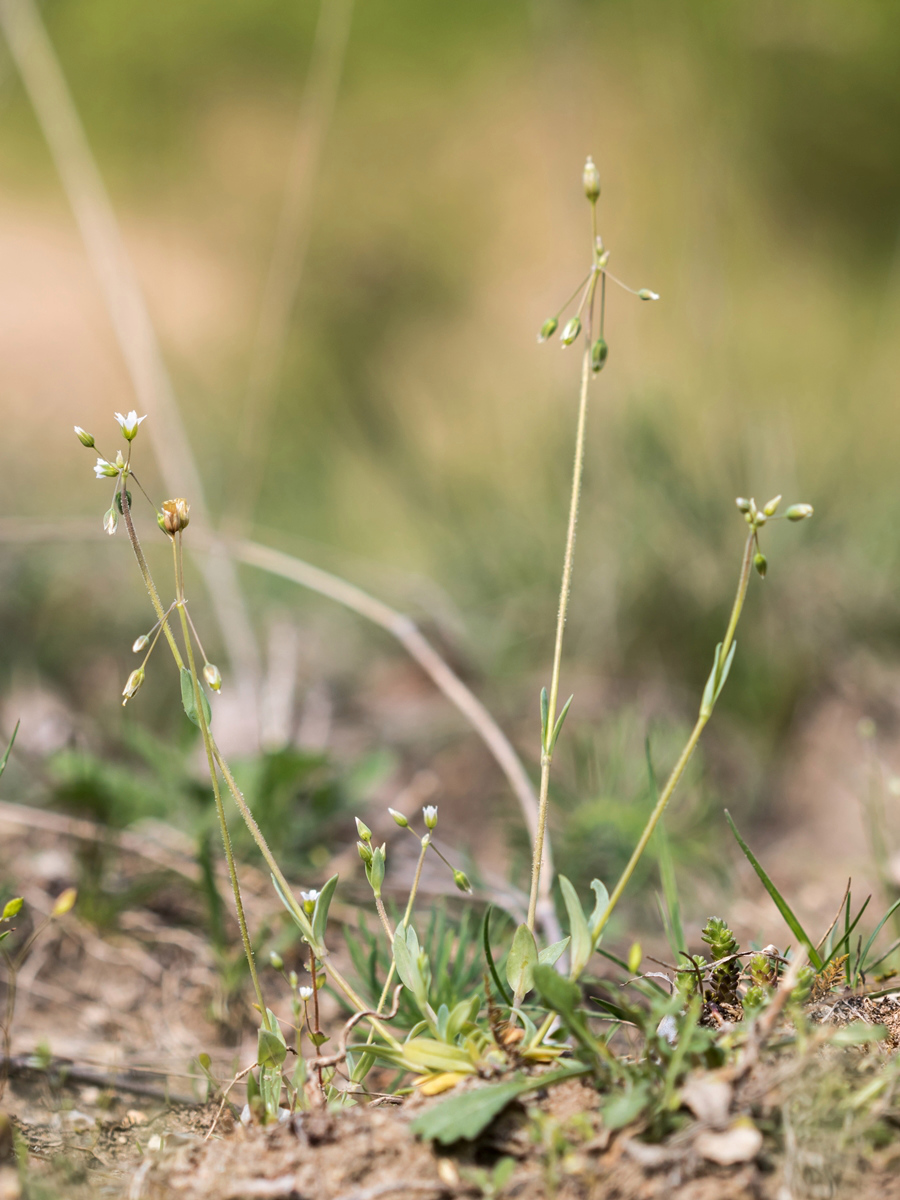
(309, 897)
(429, 812)
(84, 437)
(111, 521)
(305, 993)
(130, 424)
(105, 470)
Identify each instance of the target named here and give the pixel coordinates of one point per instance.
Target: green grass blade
(5, 759)
(862, 958)
(489, 958)
(780, 903)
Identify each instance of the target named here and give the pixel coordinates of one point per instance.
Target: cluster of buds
(373, 857)
(430, 817)
(106, 468)
(757, 517)
(599, 350)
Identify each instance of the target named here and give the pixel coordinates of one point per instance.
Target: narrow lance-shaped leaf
(557, 728)
(521, 961)
(320, 912)
(582, 942)
(781, 904)
(189, 701)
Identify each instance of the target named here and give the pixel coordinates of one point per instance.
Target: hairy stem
(214, 779)
(565, 588)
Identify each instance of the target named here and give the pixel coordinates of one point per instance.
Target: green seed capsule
(799, 512)
(762, 565)
(571, 331)
(548, 329)
(591, 181)
(599, 351)
(772, 507)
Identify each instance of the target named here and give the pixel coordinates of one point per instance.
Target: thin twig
(42, 76)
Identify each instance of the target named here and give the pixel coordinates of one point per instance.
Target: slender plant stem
(546, 748)
(161, 613)
(383, 917)
(214, 777)
(677, 771)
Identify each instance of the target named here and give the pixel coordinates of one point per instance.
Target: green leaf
(557, 728)
(466, 1115)
(521, 961)
(582, 942)
(5, 934)
(489, 958)
(625, 1107)
(298, 915)
(5, 759)
(781, 904)
(320, 912)
(564, 997)
(550, 954)
(271, 1051)
(188, 699)
(716, 680)
(600, 905)
(12, 908)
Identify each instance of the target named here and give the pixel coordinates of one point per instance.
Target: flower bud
(462, 881)
(743, 505)
(135, 679)
(771, 507)
(305, 993)
(591, 181)
(548, 329)
(799, 512)
(309, 900)
(111, 521)
(140, 644)
(599, 351)
(85, 438)
(276, 961)
(762, 565)
(571, 331)
(105, 470)
(399, 818)
(363, 830)
(375, 869)
(213, 676)
(429, 812)
(365, 852)
(646, 294)
(175, 516)
(292, 979)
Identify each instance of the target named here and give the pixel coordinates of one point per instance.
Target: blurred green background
(416, 438)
